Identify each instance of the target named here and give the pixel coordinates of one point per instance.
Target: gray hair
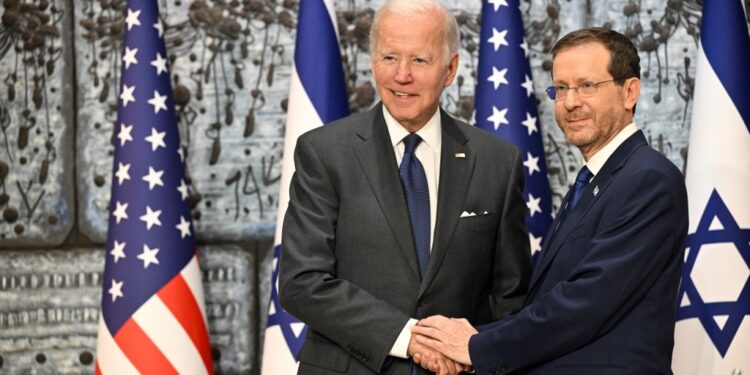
(411, 7)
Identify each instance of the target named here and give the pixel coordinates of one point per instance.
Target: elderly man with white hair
(401, 212)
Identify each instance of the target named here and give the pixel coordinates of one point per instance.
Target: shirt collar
(597, 161)
(430, 132)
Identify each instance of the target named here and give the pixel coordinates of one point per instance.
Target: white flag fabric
(317, 95)
(712, 334)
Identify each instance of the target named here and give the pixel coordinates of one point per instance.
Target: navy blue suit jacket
(603, 294)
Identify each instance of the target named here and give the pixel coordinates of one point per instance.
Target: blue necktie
(582, 180)
(414, 181)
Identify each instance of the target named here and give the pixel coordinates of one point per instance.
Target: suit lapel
(600, 183)
(374, 151)
(455, 176)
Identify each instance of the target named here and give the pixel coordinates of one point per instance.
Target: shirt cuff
(401, 346)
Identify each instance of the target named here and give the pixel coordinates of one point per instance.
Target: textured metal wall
(230, 61)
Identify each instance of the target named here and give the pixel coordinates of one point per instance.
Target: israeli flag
(713, 327)
(317, 95)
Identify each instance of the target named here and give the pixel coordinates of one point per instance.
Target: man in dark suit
(384, 228)
(603, 295)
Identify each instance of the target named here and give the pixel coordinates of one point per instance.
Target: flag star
(498, 77)
(158, 101)
(124, 133)
(532, 163)
(156, 139)
(498, 38)
(160, 64)
(498, 117)
(120, 211)
(151, 218)
(118, 251)
(148, 256)
(181, 152)
(127, 95)
(184, 227)
(530, 123)
(183, 189)
(153, 178)
(498, 3)
(132, 18)
(525, 47)
(536, 243)
(129, 57)
(159, 27)
(116, 289)
(528, 85)
(533, 205)
(122, 173)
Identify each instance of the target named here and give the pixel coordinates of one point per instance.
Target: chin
(578, 140)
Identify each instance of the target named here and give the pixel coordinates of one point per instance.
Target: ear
(452, 69)
(632, 90)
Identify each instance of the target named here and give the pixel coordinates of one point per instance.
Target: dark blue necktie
(414, 181)
(582, 180)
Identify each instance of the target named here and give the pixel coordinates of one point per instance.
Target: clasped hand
(441, 344)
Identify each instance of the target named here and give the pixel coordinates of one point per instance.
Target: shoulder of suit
(339, 129)
(646, 160)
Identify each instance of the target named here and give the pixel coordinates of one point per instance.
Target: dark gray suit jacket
(348, 265)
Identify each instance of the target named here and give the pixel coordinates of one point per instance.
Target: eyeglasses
(585, 89)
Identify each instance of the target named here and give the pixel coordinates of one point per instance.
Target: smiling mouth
(401, 94)
(576, 120)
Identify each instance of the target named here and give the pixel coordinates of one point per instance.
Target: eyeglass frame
(552, 90)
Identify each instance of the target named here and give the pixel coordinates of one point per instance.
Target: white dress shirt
(428, 153)
(596, 162)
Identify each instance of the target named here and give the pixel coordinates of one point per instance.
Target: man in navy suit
(602, 297)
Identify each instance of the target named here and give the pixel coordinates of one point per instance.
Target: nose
(403, 72)
(572, 100)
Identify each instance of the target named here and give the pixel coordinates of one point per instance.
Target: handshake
(441, 344)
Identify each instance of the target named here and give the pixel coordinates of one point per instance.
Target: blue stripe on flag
(317, 59)
(729, 49)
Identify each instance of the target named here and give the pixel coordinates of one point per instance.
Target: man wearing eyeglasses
(602, 297)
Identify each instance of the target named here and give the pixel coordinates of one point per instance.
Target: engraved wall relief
(36, 123)
(49, 309)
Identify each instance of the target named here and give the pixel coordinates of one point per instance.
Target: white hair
(412, 7)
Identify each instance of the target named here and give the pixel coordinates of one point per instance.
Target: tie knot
(411, 141)
(583, 177)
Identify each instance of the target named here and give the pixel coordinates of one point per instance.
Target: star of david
(705, 312)
(280, 317)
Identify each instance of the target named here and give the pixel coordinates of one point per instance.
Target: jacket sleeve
(512, 270)
(309, 289)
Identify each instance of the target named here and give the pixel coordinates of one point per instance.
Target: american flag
(317, 95)
(506, 106)
(712, 333)
(152, 319)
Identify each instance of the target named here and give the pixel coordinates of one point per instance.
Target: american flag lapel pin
(460, 155)
(596, 190)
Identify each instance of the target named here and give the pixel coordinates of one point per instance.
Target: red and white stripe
(167, 335)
